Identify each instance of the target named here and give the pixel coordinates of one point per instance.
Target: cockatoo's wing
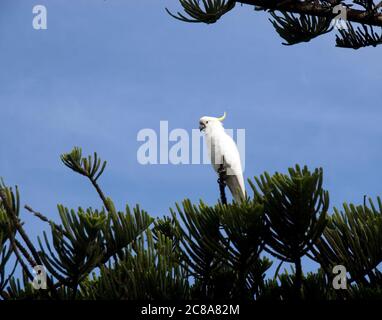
(228, 154)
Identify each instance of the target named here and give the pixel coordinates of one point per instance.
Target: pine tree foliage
(359, 37)
(198, 251)
(353, 238)
(299, 29)
(301, 21)
(210, 12)
(295, 213)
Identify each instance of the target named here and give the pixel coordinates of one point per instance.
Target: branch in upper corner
(358, 38)
(319, 9)
(367, 4)
(210, 12)
(300, 29)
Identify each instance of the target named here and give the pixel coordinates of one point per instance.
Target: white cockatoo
(224, 154)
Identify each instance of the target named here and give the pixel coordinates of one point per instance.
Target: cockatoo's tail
(224, 154)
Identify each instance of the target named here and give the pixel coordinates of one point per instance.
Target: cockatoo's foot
(222, 171)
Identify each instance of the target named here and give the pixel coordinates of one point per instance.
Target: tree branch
(222, 184)
(313, 8)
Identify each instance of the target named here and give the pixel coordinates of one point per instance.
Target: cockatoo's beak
(202, 126)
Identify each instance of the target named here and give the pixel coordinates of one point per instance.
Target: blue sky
(106, 69)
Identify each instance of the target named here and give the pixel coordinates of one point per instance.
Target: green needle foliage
(299, 29)
(88, 167)
(358, 37)
(295, 208)
(78, 245)
(224, 251)
(303, 20)
(207, 11)
(6, 232)
(353, 238)
(148, 271)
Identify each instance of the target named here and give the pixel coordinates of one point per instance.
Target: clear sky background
(106, 69)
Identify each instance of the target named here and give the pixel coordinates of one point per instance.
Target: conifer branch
(314, 18)
(319, 9)
(222, 183)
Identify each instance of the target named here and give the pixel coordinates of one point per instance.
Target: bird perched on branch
(224, 155)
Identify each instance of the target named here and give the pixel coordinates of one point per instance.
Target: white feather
(223, 150)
